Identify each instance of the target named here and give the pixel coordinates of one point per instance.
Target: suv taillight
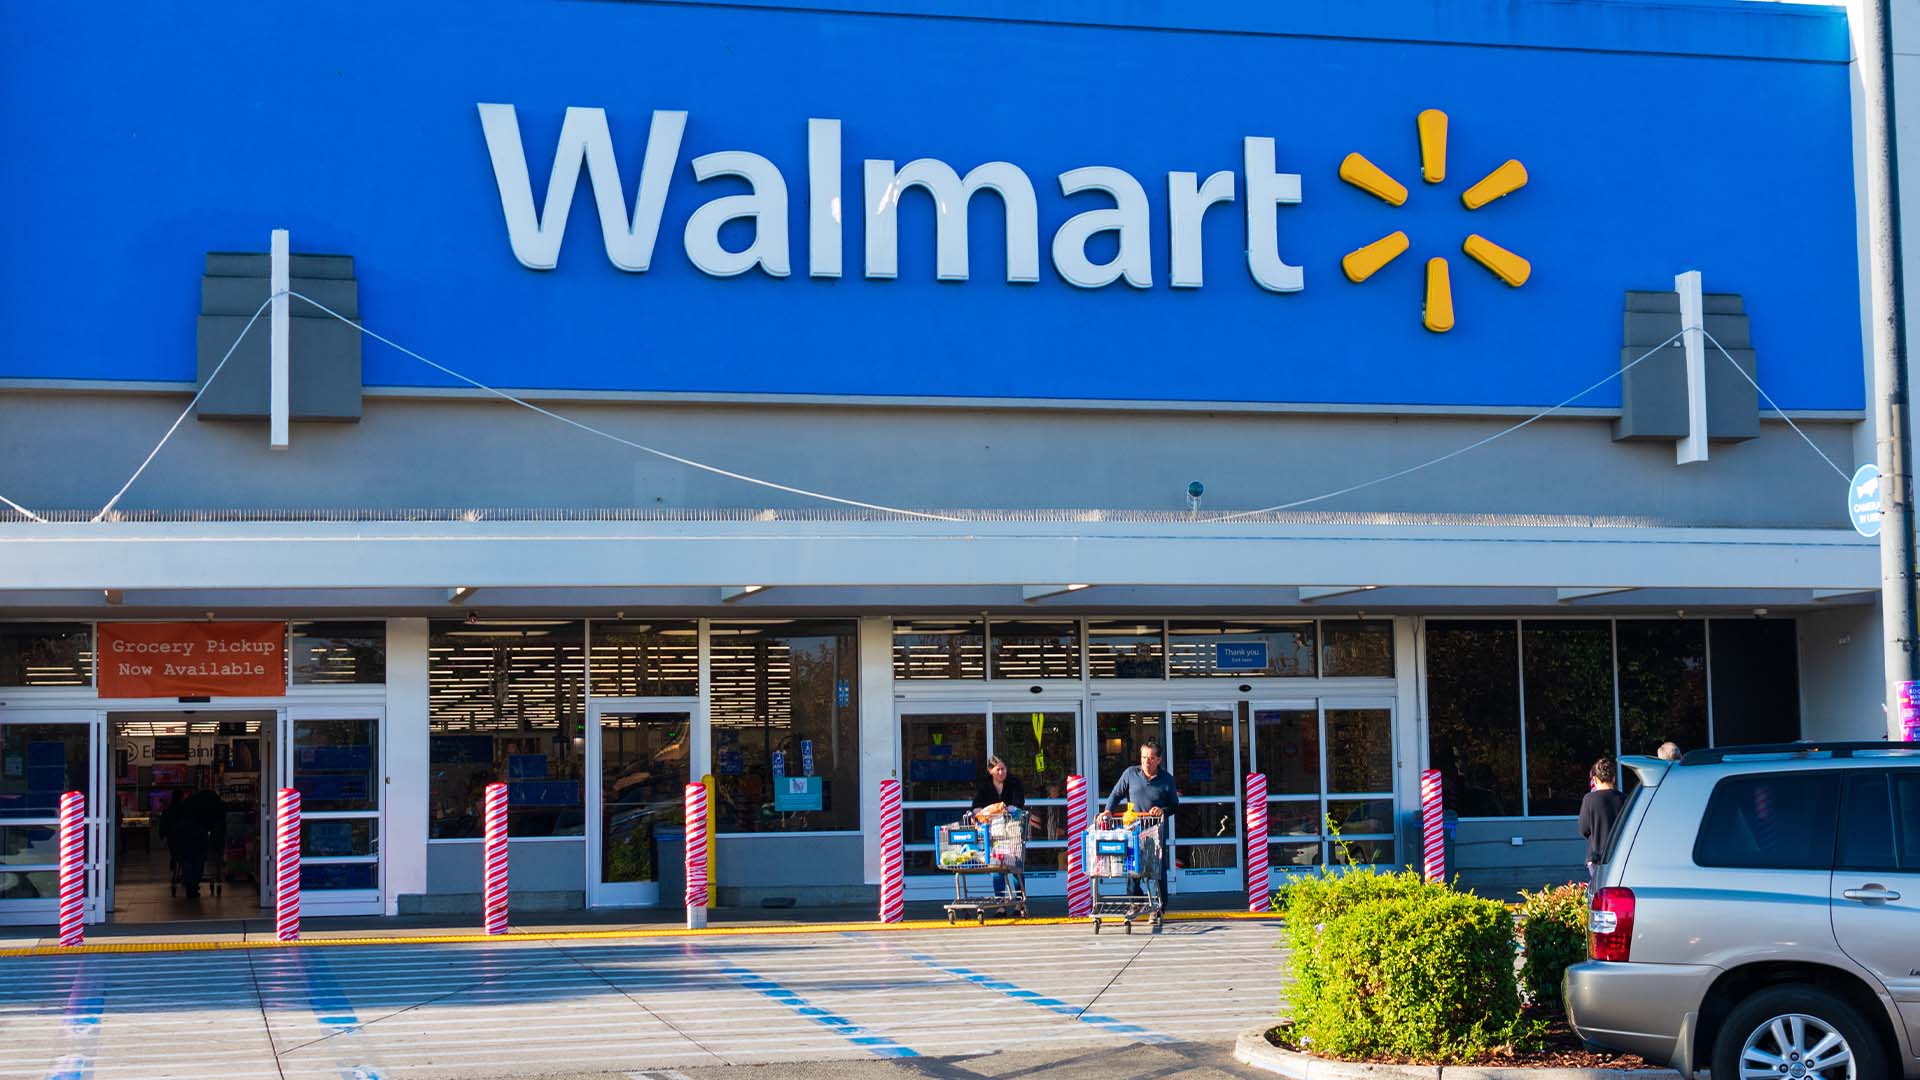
(1611, 921)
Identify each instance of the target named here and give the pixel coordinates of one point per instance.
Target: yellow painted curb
(192, 945)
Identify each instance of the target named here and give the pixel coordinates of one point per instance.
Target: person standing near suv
(1599, 814)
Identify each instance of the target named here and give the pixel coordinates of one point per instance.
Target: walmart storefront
(807, 396)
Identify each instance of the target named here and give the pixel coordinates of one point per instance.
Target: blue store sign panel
(850, 204)
(1240, 656)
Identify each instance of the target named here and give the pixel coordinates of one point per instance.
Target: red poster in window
(200, 659)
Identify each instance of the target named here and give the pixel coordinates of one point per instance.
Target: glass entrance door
(1330, 781)
(944, 748)
(1203, 749)
(43, 754)
(638, 755)
(335, 758)
(1199, 746)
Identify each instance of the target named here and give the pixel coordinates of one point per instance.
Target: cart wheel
(1023, 911)
(1096, 927)
(951, 918)
(980, 917)
(1129, 927)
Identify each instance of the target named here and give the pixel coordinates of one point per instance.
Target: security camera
(1194, 491)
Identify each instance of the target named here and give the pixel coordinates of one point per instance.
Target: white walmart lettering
(585, 139)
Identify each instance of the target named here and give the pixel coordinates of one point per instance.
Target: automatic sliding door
(1330, 782)
(1207, 827)
(1286, 749)
(639, 755)
(42, 756)
(1360, 796)
(943, 754)
(334, 760)
(1041, 747)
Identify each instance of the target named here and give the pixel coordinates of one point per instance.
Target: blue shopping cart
(1119, 851)
(996, 846)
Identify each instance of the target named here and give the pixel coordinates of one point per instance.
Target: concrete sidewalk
(597, 922)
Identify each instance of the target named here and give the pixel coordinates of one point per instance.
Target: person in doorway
(1669, 751)
(186, 840)
(1149, 790)
(1599, 815)
(995, 794)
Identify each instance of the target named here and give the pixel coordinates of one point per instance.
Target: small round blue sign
(1863, 500)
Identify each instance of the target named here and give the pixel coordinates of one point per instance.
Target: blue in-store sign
(1240, 656)
(806, 757)
(779, 763)
(843, 693)
(1863, 500)
(730, 763)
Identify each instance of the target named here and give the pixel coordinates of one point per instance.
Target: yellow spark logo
(1364, 262)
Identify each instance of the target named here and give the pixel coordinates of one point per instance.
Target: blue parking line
(879, 1045)
(331, 1007)
(80, 1029)
(1051, 1004)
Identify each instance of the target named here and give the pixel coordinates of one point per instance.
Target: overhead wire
(865, 505)
(184, 413)
(1449, 456)
(623, 441)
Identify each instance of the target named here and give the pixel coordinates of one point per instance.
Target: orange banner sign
(201, 659)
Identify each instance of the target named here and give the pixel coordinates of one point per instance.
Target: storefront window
(939, 649)
(646, 659)
(1569, 698)
(1132, 649)
(339, 653)
(945, 755)
(1240, 649)
(1756, 681)
(785, 699)
(46, 654)
(1663, 684)
(1358, 649)
(1035, 650)
(1473, 714)
(507, 703)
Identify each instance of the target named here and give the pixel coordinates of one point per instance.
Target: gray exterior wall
(1488, 861)
(809, 870)
(72, 451)
(547, 875)
(1840, 666)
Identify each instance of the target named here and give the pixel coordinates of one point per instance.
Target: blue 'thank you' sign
(1240, 656)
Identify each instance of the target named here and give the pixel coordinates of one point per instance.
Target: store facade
(862, 427)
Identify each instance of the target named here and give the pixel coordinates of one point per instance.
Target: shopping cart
(1117, 851)
(995, 846)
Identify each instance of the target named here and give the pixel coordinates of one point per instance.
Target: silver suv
(1758, 915)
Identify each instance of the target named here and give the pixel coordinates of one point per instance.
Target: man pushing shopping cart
(1148, 790)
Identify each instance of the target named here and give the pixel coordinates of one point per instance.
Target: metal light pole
(1895, 439)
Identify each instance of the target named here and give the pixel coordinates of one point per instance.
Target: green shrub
(1553, 929)
(1388, 965)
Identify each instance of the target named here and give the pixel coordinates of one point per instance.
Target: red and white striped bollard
(495, 895)
(73, 868)
(1259, 898)
(1079, 887)
(1432, 825)
(893, 882)
(286, 891)
(696, 849)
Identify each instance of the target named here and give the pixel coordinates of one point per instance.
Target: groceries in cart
(1126, 847)
(996, 846)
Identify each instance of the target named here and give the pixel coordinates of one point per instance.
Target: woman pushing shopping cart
(991, 839)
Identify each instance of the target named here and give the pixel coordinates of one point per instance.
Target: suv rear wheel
(1797, 1032)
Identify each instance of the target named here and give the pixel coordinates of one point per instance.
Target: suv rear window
(1770, 821)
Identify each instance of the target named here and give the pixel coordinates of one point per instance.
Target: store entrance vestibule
(180, 801)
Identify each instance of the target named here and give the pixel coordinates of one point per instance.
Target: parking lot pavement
(935, 1003)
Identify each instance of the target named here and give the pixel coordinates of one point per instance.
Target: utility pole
(1894, 441)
